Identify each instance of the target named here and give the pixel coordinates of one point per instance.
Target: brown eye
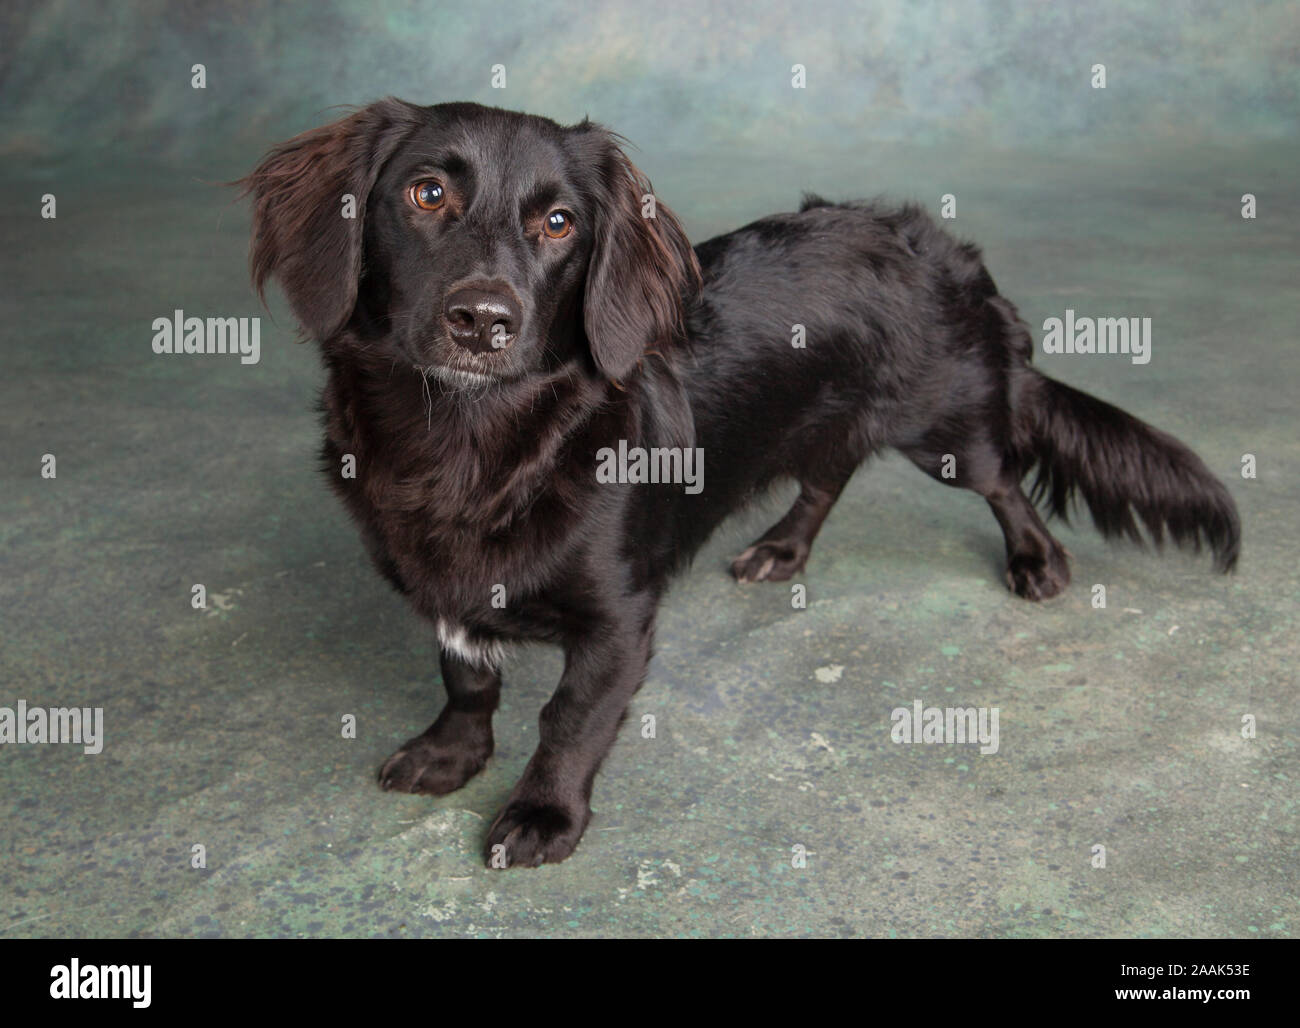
(429, 195)
(558, 224)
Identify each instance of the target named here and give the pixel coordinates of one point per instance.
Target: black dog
(509, 306)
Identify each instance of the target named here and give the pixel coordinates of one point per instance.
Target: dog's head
(479, 244)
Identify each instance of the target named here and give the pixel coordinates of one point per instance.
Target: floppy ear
(300, 234)
(641, 267)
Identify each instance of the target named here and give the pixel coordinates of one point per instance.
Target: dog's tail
(1122, 467)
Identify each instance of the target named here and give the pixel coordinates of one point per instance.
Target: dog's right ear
(300, 234)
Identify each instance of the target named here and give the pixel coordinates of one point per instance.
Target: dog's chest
(426, 526)
(475, 558)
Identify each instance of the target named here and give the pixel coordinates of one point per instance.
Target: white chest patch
(479, 653)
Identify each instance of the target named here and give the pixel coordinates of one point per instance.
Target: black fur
(476, 465)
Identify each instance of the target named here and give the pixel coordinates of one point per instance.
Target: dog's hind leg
(782, 551)
(967, 458)
(1037, 565)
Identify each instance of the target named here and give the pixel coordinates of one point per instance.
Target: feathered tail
(1125, 470)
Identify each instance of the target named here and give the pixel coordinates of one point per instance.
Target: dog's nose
(482, 320)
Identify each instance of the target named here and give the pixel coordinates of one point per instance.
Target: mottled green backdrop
(96, 81)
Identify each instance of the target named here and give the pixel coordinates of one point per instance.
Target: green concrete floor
(1119, 727)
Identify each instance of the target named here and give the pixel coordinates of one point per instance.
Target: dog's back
(822, 336)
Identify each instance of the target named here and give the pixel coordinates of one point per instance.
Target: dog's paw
(1039, 578)
(433, 768)
(775, 560)
(528, 834)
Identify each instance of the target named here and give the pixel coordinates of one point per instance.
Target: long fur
(476, 487)
(1124, 470)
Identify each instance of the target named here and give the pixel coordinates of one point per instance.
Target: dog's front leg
(454, 748)
(549, 808)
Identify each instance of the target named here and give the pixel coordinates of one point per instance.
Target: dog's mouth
(454, 367)
(458, 378)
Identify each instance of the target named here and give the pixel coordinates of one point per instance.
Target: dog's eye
(558, 224)
(428, 195)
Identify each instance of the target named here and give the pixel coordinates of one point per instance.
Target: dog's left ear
(642, 269)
